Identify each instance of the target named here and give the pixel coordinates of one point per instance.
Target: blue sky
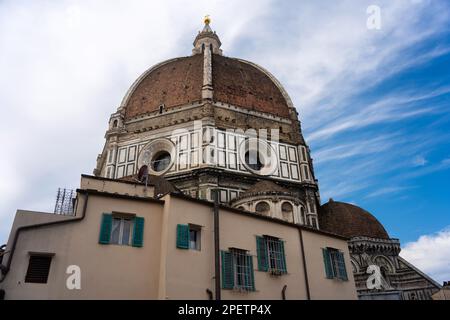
(374, 104)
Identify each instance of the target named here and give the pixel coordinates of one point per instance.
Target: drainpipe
(5, 269)
(308, 294)
(216, 245)
(283, 292)
(210, 294)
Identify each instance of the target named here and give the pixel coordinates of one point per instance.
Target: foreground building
(189, 131)
(129, 245)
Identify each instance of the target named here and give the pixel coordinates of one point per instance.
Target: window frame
(271, 255)
(32, 255)
(334, 256)
(198, 239)
(122, 218)
(239, 281)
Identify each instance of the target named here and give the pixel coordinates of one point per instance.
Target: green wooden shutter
(105, 228)
(250, 276)
(138, 232)
(261, 250)
(227, 270)
(183, 236)
(283, 267)
(327, 263)
(341, 264)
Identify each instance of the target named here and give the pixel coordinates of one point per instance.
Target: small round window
(161, 161)
(158, 155)
(258, 156)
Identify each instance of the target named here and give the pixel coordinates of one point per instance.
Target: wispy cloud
(442, 165)
(389, 191)
(419, 161)
(66, 66)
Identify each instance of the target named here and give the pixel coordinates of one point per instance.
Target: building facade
(190, 131)
(201, 120)
(123, 243)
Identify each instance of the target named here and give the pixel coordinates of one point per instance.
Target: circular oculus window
(258, 156)
(158, 155)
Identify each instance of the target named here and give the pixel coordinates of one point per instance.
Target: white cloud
(419, 161)
(66, 65)
(431, 254)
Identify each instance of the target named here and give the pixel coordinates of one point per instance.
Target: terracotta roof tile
(350, 221)
(180, 82)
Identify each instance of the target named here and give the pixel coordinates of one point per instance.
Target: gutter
(308, 294)
(5, 269)
(261, 217)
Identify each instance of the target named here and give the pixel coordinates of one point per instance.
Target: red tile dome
(350, 221)
(179, 82)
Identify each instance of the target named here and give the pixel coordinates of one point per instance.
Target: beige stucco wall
(111, 186)
(241, 233)
(189, 272)
(159, 270)
(107, 271)
(320, 286)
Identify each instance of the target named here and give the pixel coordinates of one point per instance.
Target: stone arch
(355, 265)
(262, 207)
(287, 211)
(384, 263)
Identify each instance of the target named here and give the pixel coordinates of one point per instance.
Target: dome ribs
(176, 83)
(350, 221)
(180, 81)
(241, 84)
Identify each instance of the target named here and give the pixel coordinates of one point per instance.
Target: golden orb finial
(207, 19)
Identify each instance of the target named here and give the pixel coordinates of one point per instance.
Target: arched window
(302, 212)
(262, 208)
(115, 123)
(314, 222)
(287, 211)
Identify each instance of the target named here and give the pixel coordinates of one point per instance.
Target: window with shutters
(194, 237)
(237, 270)
(271, 255)
(189, 236)
(122, 229)
(38, 268)
(334, 264)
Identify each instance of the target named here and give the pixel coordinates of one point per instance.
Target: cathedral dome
(179, 82)
(350, 221)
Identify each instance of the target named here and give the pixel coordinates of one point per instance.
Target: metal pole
(216, 244)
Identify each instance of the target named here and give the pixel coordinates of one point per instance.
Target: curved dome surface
(172, 83)
(179, 81)
(350, 221)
